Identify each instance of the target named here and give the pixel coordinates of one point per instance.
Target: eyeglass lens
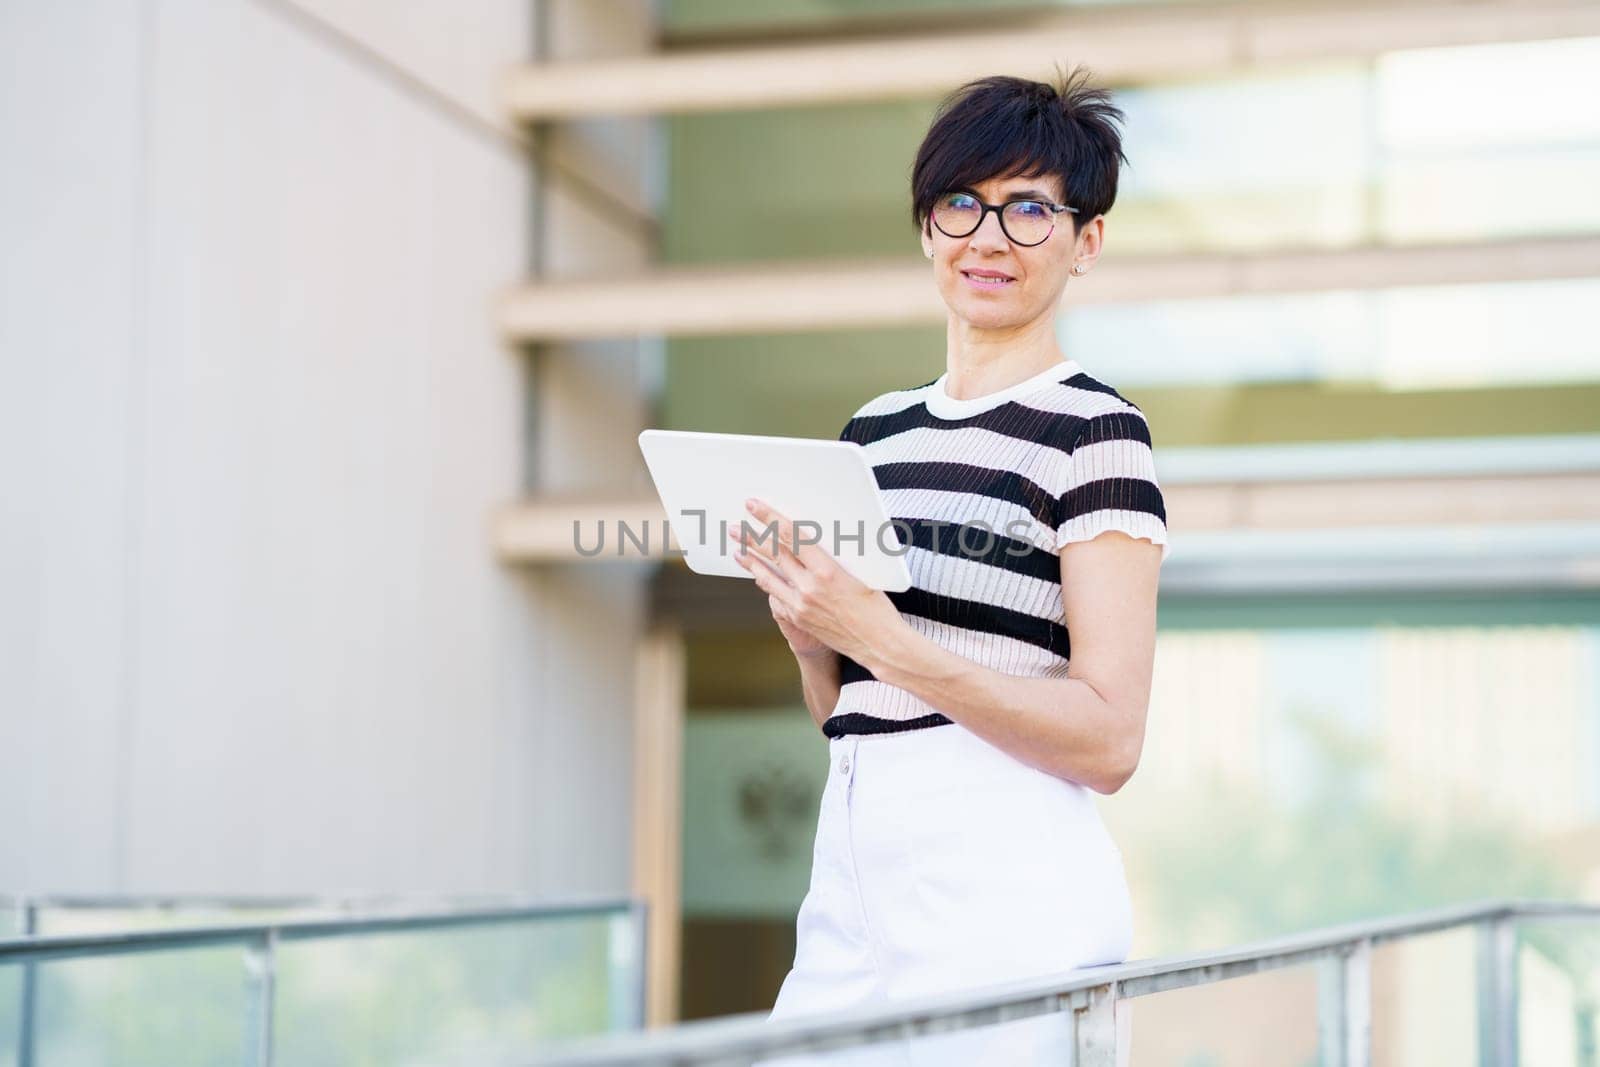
(1027, 222)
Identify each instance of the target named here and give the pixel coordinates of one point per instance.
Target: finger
(792, 568)
(777, 535)
(763, 569)
(773, 585)
(780, 568)
(778, 610)
(761, 530)
(805, 552)
(766, 544)
(774, 527)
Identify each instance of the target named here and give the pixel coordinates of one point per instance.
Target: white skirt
(943, 863)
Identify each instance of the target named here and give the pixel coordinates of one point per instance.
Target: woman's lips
(982, 282)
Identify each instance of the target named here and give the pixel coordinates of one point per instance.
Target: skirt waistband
(941, 759)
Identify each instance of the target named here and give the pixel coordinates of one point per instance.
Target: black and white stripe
(1058, 458)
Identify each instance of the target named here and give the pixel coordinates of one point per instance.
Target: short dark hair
(1001, 126)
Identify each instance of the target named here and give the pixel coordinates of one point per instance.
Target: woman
(958, 843)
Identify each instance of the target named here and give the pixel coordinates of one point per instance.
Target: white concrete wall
(254, 414)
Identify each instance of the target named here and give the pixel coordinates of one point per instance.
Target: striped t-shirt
(986, 491)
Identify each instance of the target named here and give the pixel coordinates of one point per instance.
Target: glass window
(1414, 146)
(1423, 145)
(1404, 338)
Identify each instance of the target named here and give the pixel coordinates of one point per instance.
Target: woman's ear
(1091, 240)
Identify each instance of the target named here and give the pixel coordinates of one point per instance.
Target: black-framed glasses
(1026, 222)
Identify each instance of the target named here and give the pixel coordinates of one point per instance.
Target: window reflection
(1447, 144)
(1404, 338)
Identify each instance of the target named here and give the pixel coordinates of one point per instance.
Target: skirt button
(844, 764)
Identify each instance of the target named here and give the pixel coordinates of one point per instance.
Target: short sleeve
(1111, 483)
(851, 428)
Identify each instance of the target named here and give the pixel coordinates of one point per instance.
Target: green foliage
(1233, 866)
(466, 994)
(473, 994)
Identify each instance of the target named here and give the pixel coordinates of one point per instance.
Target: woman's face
(1037, 273)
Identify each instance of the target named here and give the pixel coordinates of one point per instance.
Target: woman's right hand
(801, 641)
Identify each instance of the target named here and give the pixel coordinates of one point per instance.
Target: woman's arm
(1088, 726)
(819, 665)
(819, 681)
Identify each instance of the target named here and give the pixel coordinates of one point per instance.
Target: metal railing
(361, 916)
(1089, 996)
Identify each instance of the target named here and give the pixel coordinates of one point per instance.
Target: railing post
(1497, 992)
(627, 944)
(261, 967)
(1094, 1027)
(27, 1041)
(1344, 1007)
(1585, 1025)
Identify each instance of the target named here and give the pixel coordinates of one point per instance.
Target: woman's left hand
(813, 590)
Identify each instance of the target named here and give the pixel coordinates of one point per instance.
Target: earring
(1077, 268)
(930, 253)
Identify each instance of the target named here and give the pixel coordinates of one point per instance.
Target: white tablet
(826, 487)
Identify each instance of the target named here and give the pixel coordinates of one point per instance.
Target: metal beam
(1152, 43)
(125, 942)
(795, 297)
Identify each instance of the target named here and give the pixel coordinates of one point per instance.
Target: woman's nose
(990, 234)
